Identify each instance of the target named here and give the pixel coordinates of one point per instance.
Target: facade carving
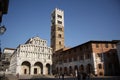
(33, 57)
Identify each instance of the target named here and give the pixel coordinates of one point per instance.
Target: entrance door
(35, 70)
(25, 71)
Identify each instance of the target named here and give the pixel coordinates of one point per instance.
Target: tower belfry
(57, 29)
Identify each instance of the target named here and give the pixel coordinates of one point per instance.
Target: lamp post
(2, 30)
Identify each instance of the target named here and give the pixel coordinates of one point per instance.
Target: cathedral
(33, 58)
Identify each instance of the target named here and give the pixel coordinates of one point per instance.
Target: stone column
(18, 70)
(44, 69)
(32, 70)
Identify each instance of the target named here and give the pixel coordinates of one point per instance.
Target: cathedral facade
(32, 58)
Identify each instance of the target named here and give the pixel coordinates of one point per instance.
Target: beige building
(32, 58)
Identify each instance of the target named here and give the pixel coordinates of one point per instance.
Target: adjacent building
(5, 58)
(118, 51)
(32, 58)
(89, 58)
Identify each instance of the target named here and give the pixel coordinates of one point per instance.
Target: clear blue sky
(84, 20)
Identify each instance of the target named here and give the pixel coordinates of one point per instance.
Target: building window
(100, 66)
(99, 55)
(112, 45)
(74, 50)
(75, 59)
(106, 45)
(81, 57)
(59, 29)
(70, 59)
(59, 16)
(87, 56)
(59, 35)
(59, 22)
(59, 42)
(101, 74)
(97, 45)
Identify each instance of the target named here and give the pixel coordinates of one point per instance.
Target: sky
(85, 20)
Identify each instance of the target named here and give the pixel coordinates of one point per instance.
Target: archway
(70, 70)
(89, 68)
(38, 68)
(47, 68)
(25, 67)
(81, 68)
(60, 70)
(65, 71)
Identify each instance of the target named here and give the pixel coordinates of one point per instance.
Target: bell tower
(57, 29)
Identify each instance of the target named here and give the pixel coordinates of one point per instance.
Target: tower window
(59, 16)
(59, 42)
(59, 35)
(59, 29)
(59, 22)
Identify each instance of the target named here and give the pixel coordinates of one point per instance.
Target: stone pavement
(41, 77)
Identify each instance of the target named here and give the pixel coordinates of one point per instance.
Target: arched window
(59, 35)
(59, 42)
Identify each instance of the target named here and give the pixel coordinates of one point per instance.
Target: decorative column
(44, 69)
(32, 69)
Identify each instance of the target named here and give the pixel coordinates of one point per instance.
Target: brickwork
(87, 57)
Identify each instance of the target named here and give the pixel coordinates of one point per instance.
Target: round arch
(48, 68)
(25, 67)
(70, 70)
(81, 68)
(65, 70)
(38, 68)
(89, 68)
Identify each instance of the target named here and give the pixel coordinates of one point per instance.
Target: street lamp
(2, 29)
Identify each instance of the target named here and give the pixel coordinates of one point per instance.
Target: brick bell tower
(57, 29)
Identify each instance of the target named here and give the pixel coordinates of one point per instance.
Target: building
(118, 51)
(57, 29)
(5, 58)
(87, 57)
(111, 63)
(32, 58)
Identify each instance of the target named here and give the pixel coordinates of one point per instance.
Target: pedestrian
(63, 76)
(84, 75)
(17, 75)
(78, 75)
